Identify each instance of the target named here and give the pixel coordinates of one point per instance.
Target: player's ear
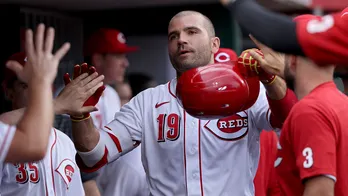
(215, 44)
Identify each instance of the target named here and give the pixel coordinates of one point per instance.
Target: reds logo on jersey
(222, 57)
(66, 170)
(230, 128)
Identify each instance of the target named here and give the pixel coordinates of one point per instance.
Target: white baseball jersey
(125, 176)
(55, 175)
(183, 155)
(7, 133)
(108, 104)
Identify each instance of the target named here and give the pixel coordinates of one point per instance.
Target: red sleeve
(325, 41)
(281, 108)
(314, 143)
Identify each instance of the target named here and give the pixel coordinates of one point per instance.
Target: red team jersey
(265, 181)
(325, 41)
(314, 141)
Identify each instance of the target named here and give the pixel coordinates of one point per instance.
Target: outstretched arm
(31, 137)
(274, 30)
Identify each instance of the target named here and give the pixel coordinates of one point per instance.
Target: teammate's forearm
(85, 135)
(38, 119)
(91, 188)
(281, 108)
(267, 27)
(12, 117)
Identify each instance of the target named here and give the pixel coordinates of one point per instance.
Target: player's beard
(289, 78)
(197, 58)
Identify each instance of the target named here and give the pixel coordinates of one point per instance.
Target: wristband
(80, 118)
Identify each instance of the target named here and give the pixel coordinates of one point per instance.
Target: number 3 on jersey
(308, 154)
(168, 127)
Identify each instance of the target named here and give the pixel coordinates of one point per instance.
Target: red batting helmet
(226, 55)
(213, 91)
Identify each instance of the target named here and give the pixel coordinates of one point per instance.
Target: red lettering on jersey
(168, 126)
(230, 128)
(232, 124)
(160, 119)
(173, 125)
(27, 172)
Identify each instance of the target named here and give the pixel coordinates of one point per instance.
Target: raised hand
(253, 67)
(271, 62)
(81, 94)
(41, 64)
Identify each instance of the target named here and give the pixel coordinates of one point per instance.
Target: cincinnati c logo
(66, 170)
(222, 57)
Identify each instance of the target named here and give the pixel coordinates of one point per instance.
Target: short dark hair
(208, 24)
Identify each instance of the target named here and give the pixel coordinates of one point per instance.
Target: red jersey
(314, 141)
(265, 181)
(325, 40)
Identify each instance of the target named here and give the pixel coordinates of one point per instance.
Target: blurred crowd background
(144, 24)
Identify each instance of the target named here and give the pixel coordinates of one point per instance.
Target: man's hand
(94, 85)
(41, 64)
(73, 98)
(253, 66)
(271, 62)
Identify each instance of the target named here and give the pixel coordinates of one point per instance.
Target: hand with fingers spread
(81, 94)
(41, 64)
(38, 69)
(271, 62)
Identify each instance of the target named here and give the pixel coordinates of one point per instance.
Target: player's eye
(192, 32)
(173, 37)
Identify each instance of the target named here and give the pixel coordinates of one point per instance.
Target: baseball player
(106, 49)
(314, 136)
(322, 39)
(265, 181)
(57, 173)
(183, 155)
(29, 139)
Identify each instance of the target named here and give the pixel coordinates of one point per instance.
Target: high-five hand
(272, 62)
(41, 64)
(253, 66)
(85, 90)
(82, 89)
